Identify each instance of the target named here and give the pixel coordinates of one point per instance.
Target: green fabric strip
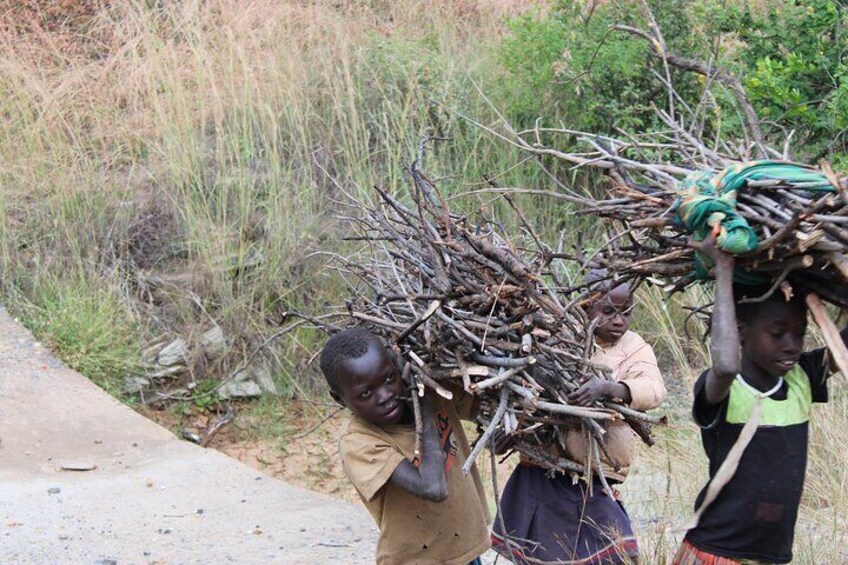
(708, 199)
(794, 410)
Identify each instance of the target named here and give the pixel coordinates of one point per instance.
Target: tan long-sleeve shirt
(633, 363)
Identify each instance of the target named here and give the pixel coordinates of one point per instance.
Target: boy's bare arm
(724, 338)
(428, 479)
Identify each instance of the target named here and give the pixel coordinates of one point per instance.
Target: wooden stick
(416, 407)
(490, 429)
(840, 261)
(497, 379)
(830, 333)
(580, 411)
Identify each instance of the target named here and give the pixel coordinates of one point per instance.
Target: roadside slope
(152, 497)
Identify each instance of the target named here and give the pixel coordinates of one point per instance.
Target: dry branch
(468, 306)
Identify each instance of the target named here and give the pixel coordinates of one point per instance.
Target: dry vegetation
(168, 163)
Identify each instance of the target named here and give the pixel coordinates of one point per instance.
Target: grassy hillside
(168, 166)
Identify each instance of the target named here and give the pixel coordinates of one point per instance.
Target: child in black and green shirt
(753, 516)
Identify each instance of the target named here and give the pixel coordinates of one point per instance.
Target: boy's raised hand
(724, 333)
(709, 247)
(428, 479)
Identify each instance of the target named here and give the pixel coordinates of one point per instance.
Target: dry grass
(152, 156)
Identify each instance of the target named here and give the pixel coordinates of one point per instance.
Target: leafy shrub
(569, 67)
(794, 68)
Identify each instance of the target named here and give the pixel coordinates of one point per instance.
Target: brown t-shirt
(412, 529)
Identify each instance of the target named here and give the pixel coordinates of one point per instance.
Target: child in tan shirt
(427, 510)
(552, 518)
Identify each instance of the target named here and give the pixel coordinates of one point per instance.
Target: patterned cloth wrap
(708, 198)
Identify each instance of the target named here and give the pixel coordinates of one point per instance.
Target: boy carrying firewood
(753, 411)
(427, 510)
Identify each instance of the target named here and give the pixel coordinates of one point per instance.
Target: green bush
(793, 63)
(570, 68)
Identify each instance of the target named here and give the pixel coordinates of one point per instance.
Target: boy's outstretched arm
(724, 332)
(428, 479)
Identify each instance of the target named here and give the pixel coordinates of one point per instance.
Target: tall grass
(183, 162)
(193, 154)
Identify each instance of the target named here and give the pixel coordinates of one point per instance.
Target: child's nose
(793, 343)
(384, 395)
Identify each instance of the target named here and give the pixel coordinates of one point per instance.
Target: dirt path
(151, 498)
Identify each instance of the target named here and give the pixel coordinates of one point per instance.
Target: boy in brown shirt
(426, 509)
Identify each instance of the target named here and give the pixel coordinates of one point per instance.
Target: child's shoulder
(359, 428)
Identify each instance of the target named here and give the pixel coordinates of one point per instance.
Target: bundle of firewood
(464, 303)
(801, 233)
(800, 220)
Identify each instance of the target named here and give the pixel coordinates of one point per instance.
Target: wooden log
(831, 335)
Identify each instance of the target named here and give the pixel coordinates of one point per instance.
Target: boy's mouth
(394, 411)
(786, 363)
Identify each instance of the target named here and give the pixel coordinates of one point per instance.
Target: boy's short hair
(747, 311)
(348, 344)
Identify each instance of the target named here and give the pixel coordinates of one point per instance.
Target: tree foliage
(792, 58)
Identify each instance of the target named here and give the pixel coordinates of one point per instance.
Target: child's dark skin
(372, 388)
(613, 312)
(725, 339)
(770, 343)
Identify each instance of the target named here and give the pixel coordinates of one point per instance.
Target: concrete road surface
(151, 497)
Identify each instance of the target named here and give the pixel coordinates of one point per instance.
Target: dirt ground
(305, 455)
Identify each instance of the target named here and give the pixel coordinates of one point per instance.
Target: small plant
(204, 396)
(87, 323)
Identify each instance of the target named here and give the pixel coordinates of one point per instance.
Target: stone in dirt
(175, 353)
(169, 372)
(261, 373)
(214, 341)
(134, 385)
(77, 466)
(240, 389)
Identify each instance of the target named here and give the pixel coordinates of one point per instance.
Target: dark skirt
(551, 520)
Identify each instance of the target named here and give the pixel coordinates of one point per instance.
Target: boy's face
(371, 387)
(773, 339)
(613, 312)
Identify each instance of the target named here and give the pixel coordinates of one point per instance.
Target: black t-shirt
(754, 515)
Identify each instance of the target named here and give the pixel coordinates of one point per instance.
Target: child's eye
(365, 394)
(390, 378)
